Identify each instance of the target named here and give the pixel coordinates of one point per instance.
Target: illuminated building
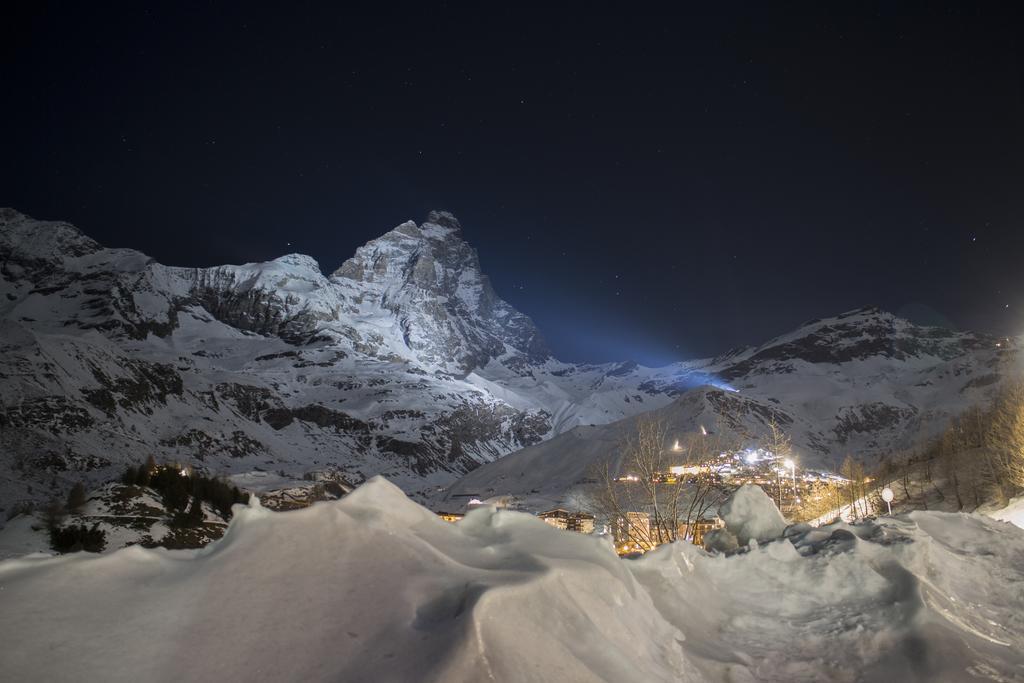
(679, 470)
(450, 516)
(695, 530)
(634, 528)
(580, 522)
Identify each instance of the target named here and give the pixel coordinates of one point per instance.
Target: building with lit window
(634, 527)
(695, 530)
(580, 522)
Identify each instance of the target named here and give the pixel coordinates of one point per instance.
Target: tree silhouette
(76, 497)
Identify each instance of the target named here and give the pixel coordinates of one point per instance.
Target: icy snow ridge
(375, 587)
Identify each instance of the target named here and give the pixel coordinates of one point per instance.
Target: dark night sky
(646, 184)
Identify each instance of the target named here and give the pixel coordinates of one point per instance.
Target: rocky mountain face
(429, 279)
(403, 362)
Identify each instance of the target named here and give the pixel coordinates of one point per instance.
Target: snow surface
(377, 588)
(1012, 513)
(750, 514)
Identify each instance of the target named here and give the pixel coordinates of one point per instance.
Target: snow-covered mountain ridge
(864, 383)
(403, 362)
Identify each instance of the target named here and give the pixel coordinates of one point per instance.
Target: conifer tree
(143, 476)
(129, 476)
(195, 514)
(76, 497)
(53, 515)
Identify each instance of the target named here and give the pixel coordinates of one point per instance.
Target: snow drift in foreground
(377, 588)
(1012, 513)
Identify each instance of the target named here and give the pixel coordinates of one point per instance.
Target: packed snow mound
(377, 588)
(750, 514)
(927, 596)
(1012, 513)
(721, 540)
(373, 588)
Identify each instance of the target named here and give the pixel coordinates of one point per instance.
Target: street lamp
(887, 496)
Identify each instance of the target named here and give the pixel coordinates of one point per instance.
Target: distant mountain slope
(403, 362)
(863, 383)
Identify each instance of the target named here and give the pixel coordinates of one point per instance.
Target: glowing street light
(887, 496)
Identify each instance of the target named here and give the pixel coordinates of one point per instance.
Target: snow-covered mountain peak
(25, 238)
(429, 278)
(411, 251)
(445, 220)
(300, 262)
(859, 335)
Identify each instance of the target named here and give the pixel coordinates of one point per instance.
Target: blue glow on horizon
(692, 380)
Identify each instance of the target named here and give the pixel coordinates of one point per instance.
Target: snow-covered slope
(402, 362)
(863, 383)
(866, 381)
(127, 515)
(1013, 512)
(376, 588)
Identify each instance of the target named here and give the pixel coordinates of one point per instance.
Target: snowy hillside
(402, 362)
(126, 515)
(864, 383)
(386, 591)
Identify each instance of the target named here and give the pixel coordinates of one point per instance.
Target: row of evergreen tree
(178, 487)
(183, 493)
(74, 537)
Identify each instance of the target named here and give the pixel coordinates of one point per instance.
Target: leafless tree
(856, 490)
(778, 443)
(673, 486)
